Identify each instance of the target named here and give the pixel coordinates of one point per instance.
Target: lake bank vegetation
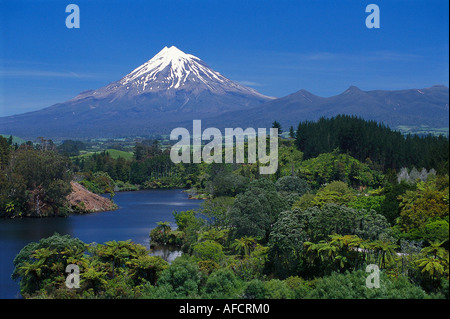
(348, 193)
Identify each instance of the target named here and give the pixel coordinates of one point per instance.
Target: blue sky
(277, 47)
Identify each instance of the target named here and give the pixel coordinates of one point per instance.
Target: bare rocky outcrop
(83, 201)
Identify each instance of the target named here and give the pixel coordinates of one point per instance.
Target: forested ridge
(347, 193)
(371, 140)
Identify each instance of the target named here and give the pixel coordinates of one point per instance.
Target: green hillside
(16, 139)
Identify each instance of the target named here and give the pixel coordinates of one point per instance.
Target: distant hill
(400, 109)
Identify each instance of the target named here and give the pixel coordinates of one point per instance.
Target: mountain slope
(429, 106)
(171, 87)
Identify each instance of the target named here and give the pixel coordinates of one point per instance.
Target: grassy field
(112, 152)
(423, 130)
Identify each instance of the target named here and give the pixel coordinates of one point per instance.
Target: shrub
(181, 279)
(292, 184)
(299, 286)
(223, 283)
(256, 289)
(352, 285)
(209, 250)
(277, 289)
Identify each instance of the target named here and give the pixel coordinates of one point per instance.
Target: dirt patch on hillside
(83, 201)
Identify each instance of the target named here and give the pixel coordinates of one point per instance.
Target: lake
(138, 213)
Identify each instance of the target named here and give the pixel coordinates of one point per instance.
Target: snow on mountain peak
(168, 71)
(172, 68)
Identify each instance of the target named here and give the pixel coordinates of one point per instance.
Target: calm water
(138, 213)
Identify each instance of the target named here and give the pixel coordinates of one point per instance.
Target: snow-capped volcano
(171, 88)
(171, 68)
(174, 74)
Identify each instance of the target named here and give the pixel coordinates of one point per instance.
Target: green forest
(348, 193)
